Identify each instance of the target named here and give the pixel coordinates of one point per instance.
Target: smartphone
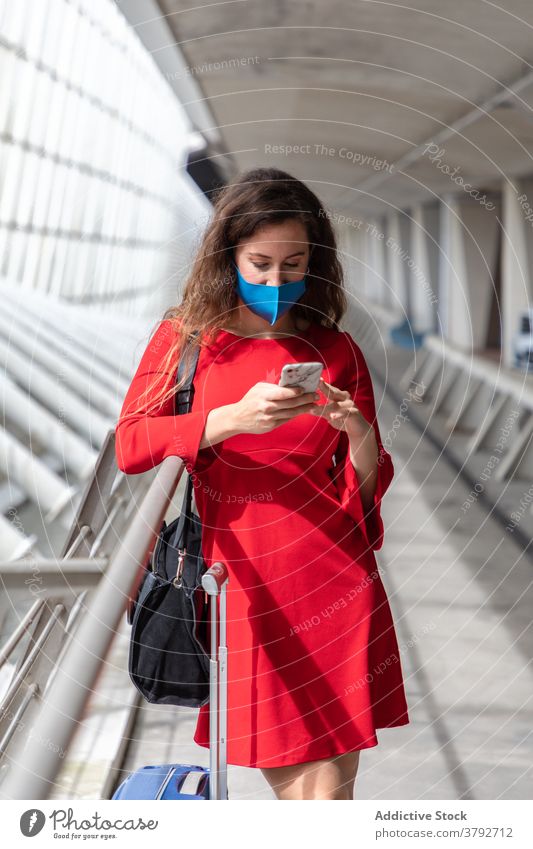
(306, 375)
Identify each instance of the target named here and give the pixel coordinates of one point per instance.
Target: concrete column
(424, 267)
(516, 262)
(350, 245)
(468, 241)
(374, 241)
(396, 243)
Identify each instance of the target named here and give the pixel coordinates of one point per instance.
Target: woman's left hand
(340, 411)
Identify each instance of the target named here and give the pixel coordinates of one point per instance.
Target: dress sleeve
(359, 385)
(144, 439)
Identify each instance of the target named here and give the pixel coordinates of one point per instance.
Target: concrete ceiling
(359, 82)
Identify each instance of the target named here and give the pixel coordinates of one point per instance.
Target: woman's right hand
(267, 405)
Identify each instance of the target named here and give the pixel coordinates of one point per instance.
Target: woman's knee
(329, 778)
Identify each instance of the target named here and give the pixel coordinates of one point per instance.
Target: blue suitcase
(190, 781)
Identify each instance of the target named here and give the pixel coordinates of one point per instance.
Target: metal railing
(85, 591)
(478, 398)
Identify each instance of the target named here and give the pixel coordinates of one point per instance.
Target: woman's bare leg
(328, 778)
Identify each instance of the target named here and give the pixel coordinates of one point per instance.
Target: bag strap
(183, 405)
(186, 393)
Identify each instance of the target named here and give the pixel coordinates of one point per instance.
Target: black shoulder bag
(169, 656)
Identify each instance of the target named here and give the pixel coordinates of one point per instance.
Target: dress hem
(312, 759)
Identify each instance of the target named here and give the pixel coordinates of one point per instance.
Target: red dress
(313, 661)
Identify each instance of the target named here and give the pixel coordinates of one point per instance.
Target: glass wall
(95, 204)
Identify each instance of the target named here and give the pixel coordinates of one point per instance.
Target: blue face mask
(270, 302)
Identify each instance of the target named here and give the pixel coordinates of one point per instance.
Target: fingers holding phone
(267, 405)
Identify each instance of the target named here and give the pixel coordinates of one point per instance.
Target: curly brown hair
(254, 198)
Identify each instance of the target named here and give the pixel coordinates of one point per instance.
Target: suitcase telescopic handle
(213, 579)
(214, 583)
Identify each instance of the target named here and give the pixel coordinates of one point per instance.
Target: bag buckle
(178, 581)
(183, 399)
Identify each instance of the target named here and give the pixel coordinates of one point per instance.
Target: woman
(288, 485)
